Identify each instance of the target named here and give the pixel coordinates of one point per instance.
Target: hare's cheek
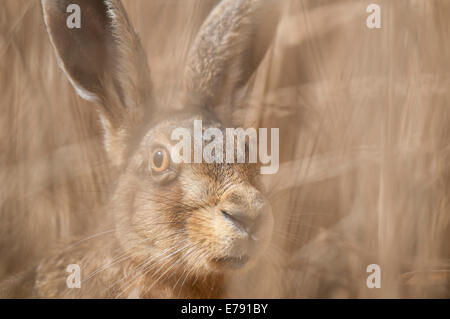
(211, 233)
(204, 231)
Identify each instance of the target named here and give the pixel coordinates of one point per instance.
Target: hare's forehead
(164, 131)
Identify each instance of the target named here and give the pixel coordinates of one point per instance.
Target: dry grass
(364, 117)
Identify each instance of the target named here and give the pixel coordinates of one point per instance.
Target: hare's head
(205, 217)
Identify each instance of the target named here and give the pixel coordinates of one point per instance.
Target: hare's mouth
(232, 262)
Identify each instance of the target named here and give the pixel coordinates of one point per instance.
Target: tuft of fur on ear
(105, 63)
(228, 49)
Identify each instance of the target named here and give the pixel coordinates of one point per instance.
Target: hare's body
(108, 272)
(178, 229)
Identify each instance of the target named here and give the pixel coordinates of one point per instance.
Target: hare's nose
(243, 222)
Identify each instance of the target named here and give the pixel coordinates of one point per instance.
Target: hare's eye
(160, 160)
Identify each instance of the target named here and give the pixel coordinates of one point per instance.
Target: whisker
(90, 237)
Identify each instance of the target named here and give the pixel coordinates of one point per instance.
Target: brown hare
(180, 230)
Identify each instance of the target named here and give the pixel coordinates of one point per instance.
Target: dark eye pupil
(158, 158)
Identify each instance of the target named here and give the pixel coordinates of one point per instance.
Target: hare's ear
(104, 61)
(228, 48)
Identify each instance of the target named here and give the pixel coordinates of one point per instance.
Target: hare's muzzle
(246, 219)
(247, 225)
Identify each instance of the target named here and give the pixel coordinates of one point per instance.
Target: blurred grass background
(364, 117)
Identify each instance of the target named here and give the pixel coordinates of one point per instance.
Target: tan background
(364, 119)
